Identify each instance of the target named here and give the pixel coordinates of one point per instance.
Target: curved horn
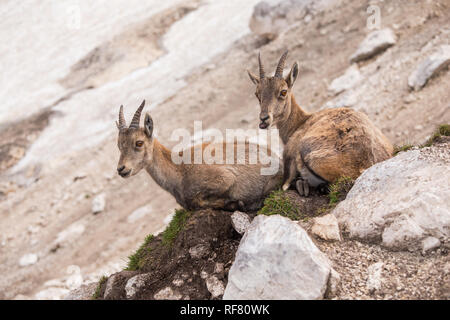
(262, 73)
(137, 117)
(121, 124)
(280, 67)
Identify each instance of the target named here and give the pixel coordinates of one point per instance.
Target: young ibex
(322, 146)
(194, 186)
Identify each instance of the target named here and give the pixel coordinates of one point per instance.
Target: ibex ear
(148, 125)
(292, 76)
(254, 78)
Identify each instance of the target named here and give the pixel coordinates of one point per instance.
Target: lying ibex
(194, 186)
(322, 146)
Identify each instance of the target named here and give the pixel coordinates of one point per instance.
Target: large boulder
(401, 202)
(375, 43)
(276, 259)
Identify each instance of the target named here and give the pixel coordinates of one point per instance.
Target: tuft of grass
(278, 202)
(442, 130)
(404, 147)
(339, 189)
(98, 290)
(175, 226)
(136, 260)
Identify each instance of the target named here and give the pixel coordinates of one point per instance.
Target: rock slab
(276, 259)
(375, 43)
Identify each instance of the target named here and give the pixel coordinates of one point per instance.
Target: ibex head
(135, 144)
(274, 93)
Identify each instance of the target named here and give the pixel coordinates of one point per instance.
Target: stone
(276, 259)
(134, 284)
(52, 294)
(139, 213)
(429, 67)
(240, 221)
(69, 234)
(215, 286)
(98, 204)
(85, 292)
(28, 259)
(199, 251)
(347, 81)
(374, 279)
(326, 227)
(333, 282)
(375, 43)
(167, 294)
(401, 201)
(430, 243)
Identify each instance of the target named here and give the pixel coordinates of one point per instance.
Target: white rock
(215, 286)
(52, 294)
(198, 251)
(240, 222)
(430, 243)
(167, 294)
(375, 42)
(276, 259)
(374, 279)
(139, 213)
(348, 80)
(71, 233)
(98, 204)
(401, 201)
(326, 227)
(28, 259)
(333, 282)
(85, 292)
(218, 268)
(429, 67)
(134, 284)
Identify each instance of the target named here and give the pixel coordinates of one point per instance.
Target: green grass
(175, 226)
(98, 290)
(278, 202)
(136, 260)
(338, 189)
(442, 130)
(404, 147)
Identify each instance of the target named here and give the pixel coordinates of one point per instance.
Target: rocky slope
(58, 163)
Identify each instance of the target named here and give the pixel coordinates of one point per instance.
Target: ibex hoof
(285, 186)
(302, 187)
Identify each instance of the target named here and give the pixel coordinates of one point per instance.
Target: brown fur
(196, 186)
(330, 143)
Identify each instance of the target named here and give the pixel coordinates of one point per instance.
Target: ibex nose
(264, 117)
(120, 169)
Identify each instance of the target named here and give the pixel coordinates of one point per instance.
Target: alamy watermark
(374, 20)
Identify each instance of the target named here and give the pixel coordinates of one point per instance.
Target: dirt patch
(135, 48)
(204, 247)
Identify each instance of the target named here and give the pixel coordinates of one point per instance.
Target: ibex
(194, 186)
(322, 146)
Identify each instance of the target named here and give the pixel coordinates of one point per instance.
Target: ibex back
(194, 186)
(320, 147)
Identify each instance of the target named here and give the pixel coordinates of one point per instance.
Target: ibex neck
(293, 121)
(163, 170)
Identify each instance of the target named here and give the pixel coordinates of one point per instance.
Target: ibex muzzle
(274, 93)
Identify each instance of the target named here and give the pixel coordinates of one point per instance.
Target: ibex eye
(283, 93)
(139, 144)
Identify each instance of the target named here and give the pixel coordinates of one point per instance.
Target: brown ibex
(322, 146)
(194, 186)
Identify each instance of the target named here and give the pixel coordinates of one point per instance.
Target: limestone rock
(374, 279)
(430, 243)
(215, 286)
(28, 259)
(348, 80)
(240, 222)
(85, 292)
(134, 284)
(375, 42)
(326, 227)
(401, 201)
(98, 204)
(167, 294)
(429, 67)
(276, 259)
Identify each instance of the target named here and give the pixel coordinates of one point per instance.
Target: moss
(136, 260)
(98, 290)
(278, 202)
(175, 226)
(442, 130)
(339, 190)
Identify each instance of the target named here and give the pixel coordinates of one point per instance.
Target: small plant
(339, 190)
(98, 290)
(175, 226)
(135, 261)
(278, 202)
(404, 147)
(442, 130)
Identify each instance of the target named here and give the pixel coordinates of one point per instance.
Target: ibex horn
(280, 67)
(262, 73)
(121, 124)
(137, 117)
